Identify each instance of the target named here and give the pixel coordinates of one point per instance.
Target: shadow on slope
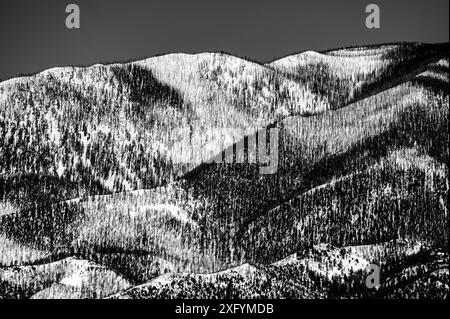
(237, 195)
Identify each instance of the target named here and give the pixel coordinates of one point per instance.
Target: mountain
(321, 271)
(67, 278)
(110, 165)
(72, 132)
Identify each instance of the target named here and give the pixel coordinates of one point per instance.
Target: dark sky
(33, 35)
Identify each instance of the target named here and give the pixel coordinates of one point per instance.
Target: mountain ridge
(217, 216)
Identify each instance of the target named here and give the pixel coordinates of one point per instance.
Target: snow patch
(173, 210)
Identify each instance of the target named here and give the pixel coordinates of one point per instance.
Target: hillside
(103, 129)
(110, 165)
(68, 278)
(319, 272)
(71, 132)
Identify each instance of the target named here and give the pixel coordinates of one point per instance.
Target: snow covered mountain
(107, 169)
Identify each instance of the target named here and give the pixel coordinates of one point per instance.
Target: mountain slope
(109, 165)
(68, 278)
(319, 272)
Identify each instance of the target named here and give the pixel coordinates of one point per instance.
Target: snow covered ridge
(363, 50)
(333, 265)
(345, 61)
(235, 80)
(215, 90)
(344, 65)
(127, 142)
(67, 278)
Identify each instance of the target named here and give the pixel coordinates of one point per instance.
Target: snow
(333, 264)
(77, 279)
(291, 259)
(173, 210)
(61, 169)
(246, 270)
(434, 75)
(54, 134)
(407, 158)
(342, 66)
(185, 72)
(109, 183)
(76, 274)
(364, 51)
(162, 280)
(103, 128)
(7, 208)
(443, 63)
